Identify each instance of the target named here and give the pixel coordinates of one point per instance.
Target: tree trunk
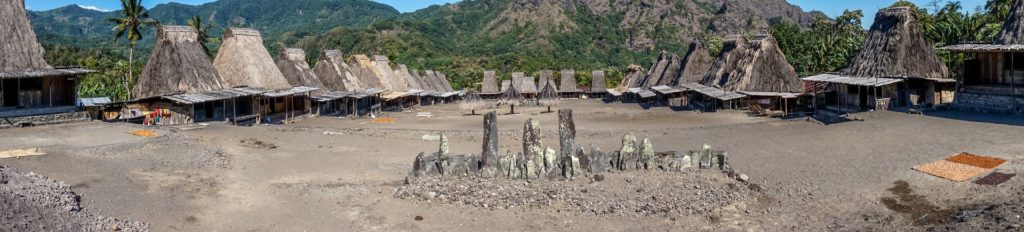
(131, 59)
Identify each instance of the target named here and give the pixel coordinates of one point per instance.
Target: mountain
(464, 38)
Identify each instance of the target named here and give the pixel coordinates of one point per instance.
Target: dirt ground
(342, 174)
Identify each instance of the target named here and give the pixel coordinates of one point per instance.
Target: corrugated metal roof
(772, 94)
(94, 101)
(193, 98)
(713, 92)
(984, 48)
(647, 94)
(57, 72)
(665, 90)
(292, 91)
(848, 80)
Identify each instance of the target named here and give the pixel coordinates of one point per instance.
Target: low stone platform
(42, 120)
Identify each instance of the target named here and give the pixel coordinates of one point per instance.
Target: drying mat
(385, 120)
(977, 161)
(950, 170)
(994, 179)
(143, 133)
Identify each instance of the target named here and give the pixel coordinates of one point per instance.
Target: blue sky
(830, 7)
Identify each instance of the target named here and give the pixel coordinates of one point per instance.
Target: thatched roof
(733, 49)
(403, 73)
(292, 62)
(445, 84)
(664, 69)
(569, 81)
(430, 79)
(548, 96)
(544, 76)
(334, 73)
(387, 75)
(473, 101)
(634, 74)
(597, 83)
(422, 79)
(243, 61)
(695, 64)
(764, 68)
(1013, 28)
(511, 95)
(517, 79)
(18, 45)
(366, 71)
(528, 86)
(178, 64)
(896, 47)
(490, 83)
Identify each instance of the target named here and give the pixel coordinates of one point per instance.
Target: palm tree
(134, 18)
(204, 33)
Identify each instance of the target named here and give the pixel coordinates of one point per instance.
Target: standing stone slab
(490, 145)
(599, 162)
(550, 160)
(627, 154)
(646, 159)
(533, 150)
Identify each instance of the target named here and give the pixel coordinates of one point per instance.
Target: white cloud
(94, 8)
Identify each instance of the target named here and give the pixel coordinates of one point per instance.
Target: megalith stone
(584, 158)
(533, 150)
(646, 159)
(566, 133)
(443, 149)
(488, 156)
(627, 154)
(599, 162)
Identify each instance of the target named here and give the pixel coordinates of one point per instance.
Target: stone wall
(987, 103)
(40, 120)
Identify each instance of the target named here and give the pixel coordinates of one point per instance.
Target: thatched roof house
(896, 47)
(663, 71)
(733, 50)
(763, 68)
(528, 86)
(19, 47)
(403, 73)
(544, 76)
(695, 64)
(517, 79)
(569, 82)
(243, 61)
(178, 64)
(511, 95)
(444, 82)
(387, 75)
(548, 96)
(334, 73)
(292, 62)
(430, 80)
(1013, 28)
(597, 83)
(366, 71)
(490, 83)
(634, 74)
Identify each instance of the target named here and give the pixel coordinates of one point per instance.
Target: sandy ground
(816, 177)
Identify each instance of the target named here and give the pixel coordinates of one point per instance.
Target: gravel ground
(166, 151)
(30, 202)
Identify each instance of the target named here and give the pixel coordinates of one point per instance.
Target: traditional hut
(548, 96)
(388, 76)
(292, 63)
(990, 79)
(695, 64)
(444, 82)
(511, 96)
(335, 74)
(403, 72)
(529, 88)
(896, 65)
(663, 71)
(598, 86)
(181, 83)
(489, 88)
(366, 71)
(243, 61)
(634, 75)
(30, 88)
(569, 87)
(733, 49)
(472, 102)
(545, 76)
(756, 68)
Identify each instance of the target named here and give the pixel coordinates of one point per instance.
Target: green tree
(134, 18)
(203, 32)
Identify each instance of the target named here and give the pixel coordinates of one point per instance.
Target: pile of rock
(538, 162)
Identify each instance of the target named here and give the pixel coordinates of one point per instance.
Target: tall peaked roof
(1013, 28)
(511, 96)
(544, 76)
(528, 86)
(634, 74)
(335, 74)
(403, 72)
(548, 96)
(387, 75)
(366, 71)
(663, 71)
(243, 61)
(447, 86)
(569, 81)
(896, 47)
(490, 83)
(597, 83)
(292, 62)
(733, 49)
(695, 65)
(178, 64)
(18, 45)
(764, 68)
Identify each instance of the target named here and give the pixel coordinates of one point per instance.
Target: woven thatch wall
(404, 74)
(544, 76)
(895, 46)
(361, 66)
(569, 81)
(334, 72)
(732, 51)
(1013, 28)
(177, 64)
(490, 83)
(597, 84)
(292, 62)
(695, 64)
(387, 75)
(18, 45)
(243, 61)
(764, 69)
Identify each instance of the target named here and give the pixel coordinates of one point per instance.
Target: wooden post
(1013, 87)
